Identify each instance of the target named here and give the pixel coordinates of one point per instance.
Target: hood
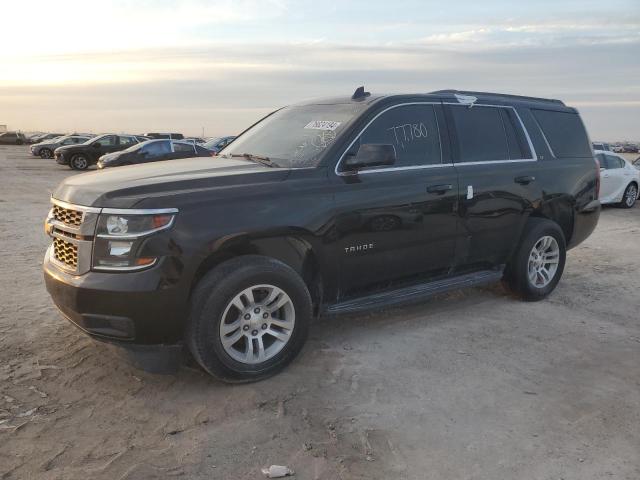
(158, 183)
(67, 148)
(42, 144)
(107, 157)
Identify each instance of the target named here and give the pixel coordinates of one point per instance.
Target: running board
(414, 293)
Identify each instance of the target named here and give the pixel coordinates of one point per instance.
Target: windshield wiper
(254, 158)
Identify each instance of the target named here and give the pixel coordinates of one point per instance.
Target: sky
(217, 66)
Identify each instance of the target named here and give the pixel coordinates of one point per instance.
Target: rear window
(488, 134)
(564, 132)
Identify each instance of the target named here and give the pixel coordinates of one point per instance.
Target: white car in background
(619, 179)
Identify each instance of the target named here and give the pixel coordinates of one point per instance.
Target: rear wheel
(537, 265)
(46, 153)
(630, 196)
(79, 162)
(249, 318)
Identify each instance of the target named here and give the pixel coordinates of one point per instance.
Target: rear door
(397, 222)
(497, 169)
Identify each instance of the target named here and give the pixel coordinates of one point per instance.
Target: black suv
(338, 205)
(80, 157)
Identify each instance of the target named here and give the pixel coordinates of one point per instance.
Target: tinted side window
(128, 141)
(516, 140)
(481, 134)
(156, 149)
(565, 133)
(602, 160)
(108, 141)
(183, 147)
(412, 130)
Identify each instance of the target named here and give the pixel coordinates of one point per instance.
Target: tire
(630, 196)
(45, 153)
(79, 162)
(212, 311)
(524, 264)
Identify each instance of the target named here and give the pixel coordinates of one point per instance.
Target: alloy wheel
(631, 195)
(543, 261)
(257, 324)
(79, 162)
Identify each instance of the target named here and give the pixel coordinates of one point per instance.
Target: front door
(398, 222)
(497, 177)
(106, 144)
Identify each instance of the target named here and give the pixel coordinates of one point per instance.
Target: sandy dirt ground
(471, 385)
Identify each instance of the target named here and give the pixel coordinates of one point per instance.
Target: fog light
(119, 249)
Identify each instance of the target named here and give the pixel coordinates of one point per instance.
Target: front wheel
(46, 153)
(249, 318)
(79, 162)
(630, 196)
(537, 265)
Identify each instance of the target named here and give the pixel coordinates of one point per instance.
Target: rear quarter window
(564, 132)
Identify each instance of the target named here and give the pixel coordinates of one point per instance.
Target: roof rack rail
(501, 95)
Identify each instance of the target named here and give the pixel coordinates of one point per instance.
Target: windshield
(295, 137)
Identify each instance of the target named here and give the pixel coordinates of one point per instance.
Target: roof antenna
(360, 94)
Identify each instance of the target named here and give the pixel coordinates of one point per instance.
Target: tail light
(597, 178)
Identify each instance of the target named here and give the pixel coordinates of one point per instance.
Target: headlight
(119, 237)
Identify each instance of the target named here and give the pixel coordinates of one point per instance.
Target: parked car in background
(45, 149)
(197, 140)
(152, 151)
(630, 148)
(214, 145)
(636, 163)
(619, 179)
(80, 157)
(44, 136)
(172, 136)
(617, 149)
(601, 146)
(233, 257)
(12, 138)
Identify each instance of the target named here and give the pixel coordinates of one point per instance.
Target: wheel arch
(294, 249)
(561, 211)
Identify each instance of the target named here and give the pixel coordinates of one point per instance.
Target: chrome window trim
(544, 137)
(125, 269)
(134, 236)
(534, 155)
(138, 211)
(73, 206)
(390, 169)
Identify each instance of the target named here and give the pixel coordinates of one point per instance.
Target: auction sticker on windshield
(322, 125)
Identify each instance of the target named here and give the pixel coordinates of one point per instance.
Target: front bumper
(61, 159)
(133, 308)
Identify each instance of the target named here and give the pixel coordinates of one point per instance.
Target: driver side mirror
(371, 155)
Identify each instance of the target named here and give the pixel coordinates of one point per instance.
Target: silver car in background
(45, 149)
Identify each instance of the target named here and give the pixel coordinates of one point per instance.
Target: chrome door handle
(525, 179)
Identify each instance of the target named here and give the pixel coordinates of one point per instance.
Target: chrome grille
(67, 215)
(65, 252)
